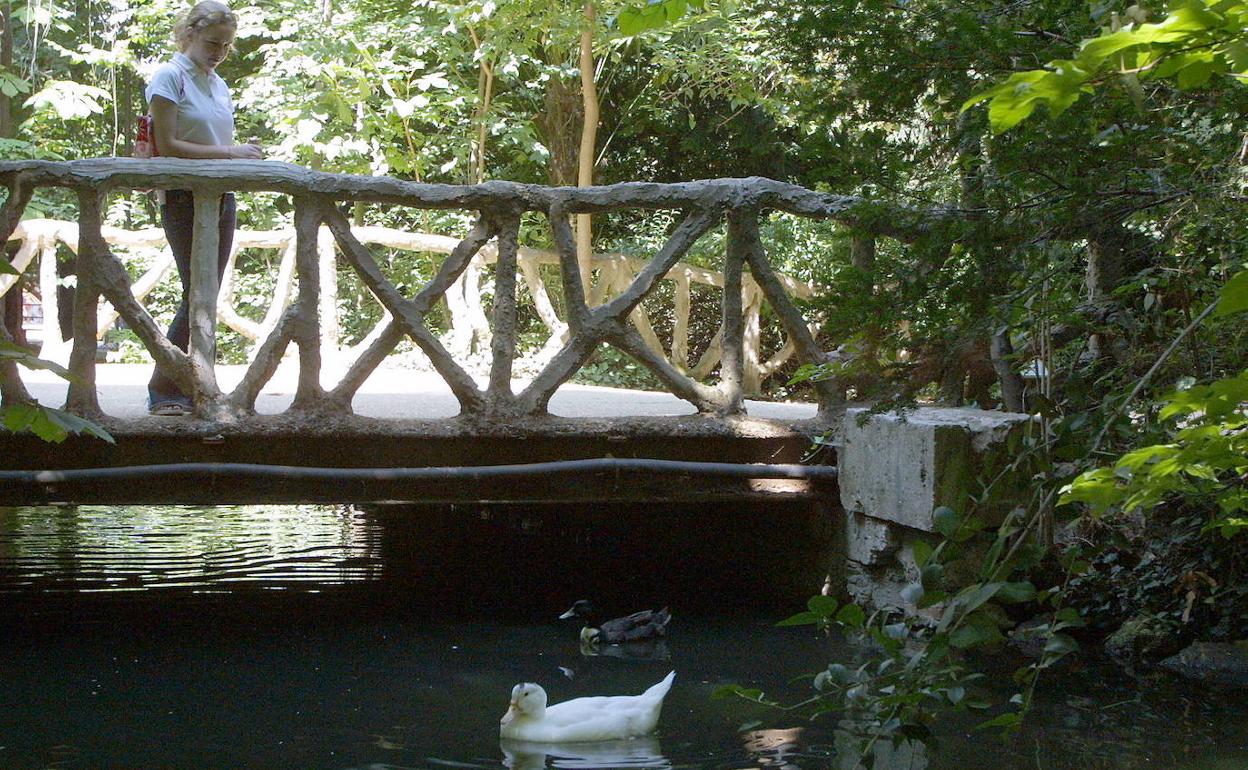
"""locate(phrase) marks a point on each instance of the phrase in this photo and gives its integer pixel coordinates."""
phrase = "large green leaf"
(14, 352)
(52, 425)
(945, 520)
(1014, 593)
(822, 605)
(973, 597)
(1014, 100)
(851, 615)
(1196, 41)
(1236, 53)
(1097, 488)
(1196, 72)
(976, 631)
(69, 100)
(12, 84)
(653, 14)
(801, 619)
(1233, 298)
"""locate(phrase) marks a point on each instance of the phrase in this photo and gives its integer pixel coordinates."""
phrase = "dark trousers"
(177, 216)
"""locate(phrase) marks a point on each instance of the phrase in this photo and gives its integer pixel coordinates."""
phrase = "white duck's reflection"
(641, 752)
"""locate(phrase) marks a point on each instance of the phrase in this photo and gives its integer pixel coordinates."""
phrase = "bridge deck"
(406, 419)
(393, 393)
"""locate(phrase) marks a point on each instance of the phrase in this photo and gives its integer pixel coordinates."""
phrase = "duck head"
(528, 700)
(582, 609)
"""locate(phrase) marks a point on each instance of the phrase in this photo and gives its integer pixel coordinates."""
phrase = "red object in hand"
(144, 141)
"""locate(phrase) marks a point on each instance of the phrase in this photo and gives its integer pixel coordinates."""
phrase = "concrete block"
(879, 584)
(869, 541)
(899, 468)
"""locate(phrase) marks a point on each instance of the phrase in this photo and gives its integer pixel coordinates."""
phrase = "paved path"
(391, 393)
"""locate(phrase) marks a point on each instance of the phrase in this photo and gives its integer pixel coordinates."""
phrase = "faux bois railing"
(623, 282)
(42, 239)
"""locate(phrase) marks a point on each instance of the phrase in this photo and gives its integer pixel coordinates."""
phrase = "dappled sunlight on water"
(136, 548)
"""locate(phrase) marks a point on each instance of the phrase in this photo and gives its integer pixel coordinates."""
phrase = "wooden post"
(54, 347)
(82, 398)
(12, 390)
(752, 336)
(307, 332)
(503, 341)
(733, 357)
(205, 244)
(328, 266)
(831, 393)
(680, 329)
(569, 268)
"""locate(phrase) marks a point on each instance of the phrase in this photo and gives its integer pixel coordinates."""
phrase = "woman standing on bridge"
(193, 117)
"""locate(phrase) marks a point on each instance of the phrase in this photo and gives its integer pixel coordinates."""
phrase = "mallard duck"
(647, 624)
(600, 718)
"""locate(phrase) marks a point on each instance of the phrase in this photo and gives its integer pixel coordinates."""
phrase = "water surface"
(330, 638)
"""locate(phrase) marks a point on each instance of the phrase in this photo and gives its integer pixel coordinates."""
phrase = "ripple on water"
(148, 548)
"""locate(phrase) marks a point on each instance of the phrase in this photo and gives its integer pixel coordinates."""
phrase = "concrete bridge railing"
(748, 279)
(41, 239)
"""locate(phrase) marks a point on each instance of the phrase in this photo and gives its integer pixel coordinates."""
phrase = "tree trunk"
(6, 62)
(485, 95)
(588, 149)
(556, 125)
(13, 298)
(1114, 254)
(953, 382)
(1002, 352)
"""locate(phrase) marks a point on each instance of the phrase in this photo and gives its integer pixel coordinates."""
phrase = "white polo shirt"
(205, 109)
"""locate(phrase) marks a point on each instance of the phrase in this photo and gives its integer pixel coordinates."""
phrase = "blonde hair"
(208, 13)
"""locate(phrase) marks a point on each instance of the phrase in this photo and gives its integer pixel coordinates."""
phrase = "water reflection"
(415, 684)
(773, 748)
(648, 649)
(885, 754)
(643, 751)
(203, 549)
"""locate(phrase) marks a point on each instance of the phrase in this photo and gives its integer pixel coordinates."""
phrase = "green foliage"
(1197, 40)
(919, 671)
(1057, 87)
(653, 14)
(1167, 568)
(1234, 296)
(11, 83)
(69, 100)
(610, 367)
(1205, 462)
(49, 424)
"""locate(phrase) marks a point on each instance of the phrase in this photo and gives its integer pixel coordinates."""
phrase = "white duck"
(600, 718)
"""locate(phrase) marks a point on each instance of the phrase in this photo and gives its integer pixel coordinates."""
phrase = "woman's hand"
(250, 151)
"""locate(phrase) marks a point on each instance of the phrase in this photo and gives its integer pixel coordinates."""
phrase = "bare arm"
(165, 123)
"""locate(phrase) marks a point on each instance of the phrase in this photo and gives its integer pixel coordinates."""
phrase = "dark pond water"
(332, 638)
